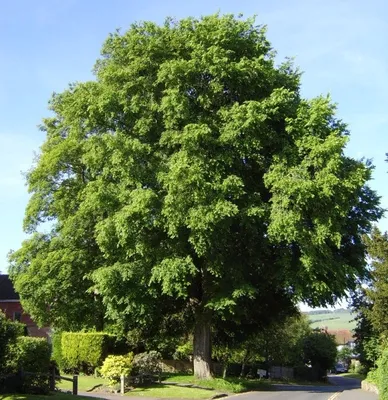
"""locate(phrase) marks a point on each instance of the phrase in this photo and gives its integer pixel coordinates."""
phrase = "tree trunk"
(242, 373)
(202, 348)
(224, 370)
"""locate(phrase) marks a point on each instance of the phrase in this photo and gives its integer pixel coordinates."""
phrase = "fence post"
(75, 384)
(52, 380)
(122, 385)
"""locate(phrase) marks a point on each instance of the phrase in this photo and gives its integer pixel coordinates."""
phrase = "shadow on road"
(336, 383)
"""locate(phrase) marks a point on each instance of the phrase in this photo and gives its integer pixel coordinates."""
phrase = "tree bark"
(242, 373)
(202, 348)
(224, 370)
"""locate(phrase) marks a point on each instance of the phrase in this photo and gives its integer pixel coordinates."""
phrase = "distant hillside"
(340, 319)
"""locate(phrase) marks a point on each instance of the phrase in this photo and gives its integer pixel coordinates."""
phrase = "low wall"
(369, 387)
(177, 366)
(281, 373)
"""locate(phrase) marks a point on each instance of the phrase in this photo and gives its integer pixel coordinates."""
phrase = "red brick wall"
(9, 308)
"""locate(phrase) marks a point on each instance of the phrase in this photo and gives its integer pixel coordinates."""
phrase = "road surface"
(340, 389)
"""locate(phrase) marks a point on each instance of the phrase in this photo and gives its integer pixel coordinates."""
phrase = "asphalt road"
(340, 389)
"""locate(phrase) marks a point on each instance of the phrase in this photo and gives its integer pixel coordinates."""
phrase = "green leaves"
(191, 176)
(174, 275)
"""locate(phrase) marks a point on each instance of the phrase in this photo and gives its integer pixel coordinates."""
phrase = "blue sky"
(341, 45)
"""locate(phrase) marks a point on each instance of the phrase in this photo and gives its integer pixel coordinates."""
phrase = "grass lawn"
(85, 383)
(171, 391)
(353, 375)
(228, 385)
(54, 396)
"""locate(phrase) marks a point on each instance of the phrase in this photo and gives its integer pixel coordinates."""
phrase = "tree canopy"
(191, 178)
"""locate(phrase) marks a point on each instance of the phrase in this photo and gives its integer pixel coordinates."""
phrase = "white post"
(122, 384)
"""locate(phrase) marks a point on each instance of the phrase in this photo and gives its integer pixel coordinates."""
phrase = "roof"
(7, 291)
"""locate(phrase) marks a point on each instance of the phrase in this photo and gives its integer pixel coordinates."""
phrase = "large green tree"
(191, 178)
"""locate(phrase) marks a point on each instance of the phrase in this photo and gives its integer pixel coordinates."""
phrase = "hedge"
(56, 350)
(382, 375)
(9, 331)
(83, 352)
(30, 354)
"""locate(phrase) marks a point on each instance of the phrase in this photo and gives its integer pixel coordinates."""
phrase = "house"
(10, 305)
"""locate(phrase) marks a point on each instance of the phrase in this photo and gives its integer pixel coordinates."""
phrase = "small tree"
(319, 351)
(345, 355)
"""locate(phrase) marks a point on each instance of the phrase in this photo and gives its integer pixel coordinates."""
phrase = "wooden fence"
(52, 377)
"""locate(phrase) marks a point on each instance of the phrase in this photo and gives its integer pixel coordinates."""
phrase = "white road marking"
(334, 396)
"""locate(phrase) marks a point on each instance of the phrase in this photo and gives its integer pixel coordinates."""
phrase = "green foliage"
(56, 349)
(115, 366)
(184, 350)
(283, 340)
(345, 355)
(277, 344)
(382, 373)
(50, 273)
(31, 354)
(373, 376)
(367, 338)
(228, 385)
(83, 352)
(9, 331)
(361, 370)
(190, 178)
(377, 245)
(147, 363)
(370, 302)
(320, 351)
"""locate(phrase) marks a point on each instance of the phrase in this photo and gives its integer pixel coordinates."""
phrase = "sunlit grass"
(54, 396)
(171, 391)
(85, 383)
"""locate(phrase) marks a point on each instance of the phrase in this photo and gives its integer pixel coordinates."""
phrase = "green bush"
(382, 375)
(320, 351)
(147, 363)
(184, 351)
(360, 369)
(32, 357)
(304, 373)
(115, 366)
(83, 352)
(373, 377)
(9, 331)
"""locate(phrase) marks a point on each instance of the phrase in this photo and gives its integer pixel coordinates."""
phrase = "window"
(17, 315)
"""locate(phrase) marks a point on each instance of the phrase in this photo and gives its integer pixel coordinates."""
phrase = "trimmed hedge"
(83, 352)
(56, 350)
